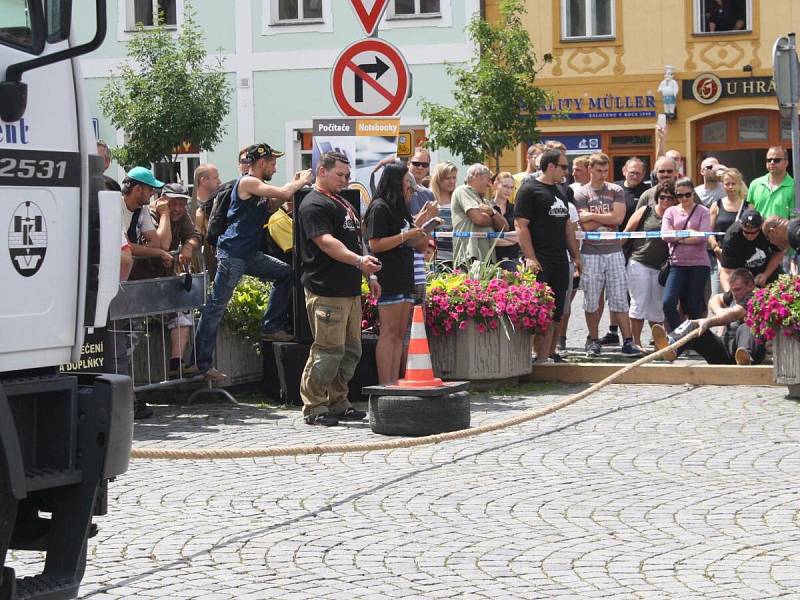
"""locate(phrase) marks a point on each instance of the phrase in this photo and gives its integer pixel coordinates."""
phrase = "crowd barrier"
(582, 235)
(139, 319)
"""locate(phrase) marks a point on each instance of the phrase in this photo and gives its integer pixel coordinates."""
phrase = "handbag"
(663, 272)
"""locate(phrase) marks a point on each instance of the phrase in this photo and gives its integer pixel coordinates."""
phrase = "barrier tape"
(230, 453)
(583, 235)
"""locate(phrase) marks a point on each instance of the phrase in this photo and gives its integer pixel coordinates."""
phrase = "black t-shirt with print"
(397, 272)
(545, 208)
(740, 252)
(322, 275)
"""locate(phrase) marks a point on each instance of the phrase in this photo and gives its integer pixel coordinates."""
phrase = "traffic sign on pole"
(787, 88)
(369, 18)
(370, 78)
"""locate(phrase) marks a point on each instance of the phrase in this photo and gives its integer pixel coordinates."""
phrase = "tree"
(166, 95)
(496, 100)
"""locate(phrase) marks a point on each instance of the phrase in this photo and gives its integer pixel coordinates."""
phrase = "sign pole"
(787, 89)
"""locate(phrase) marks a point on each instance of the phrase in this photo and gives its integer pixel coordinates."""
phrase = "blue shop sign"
(609, 106)
(578, 144)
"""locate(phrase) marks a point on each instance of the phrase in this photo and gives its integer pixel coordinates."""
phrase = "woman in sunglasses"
(647, 257)
(688, 258)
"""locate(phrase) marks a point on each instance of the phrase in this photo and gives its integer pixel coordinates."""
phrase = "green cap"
(145, 176)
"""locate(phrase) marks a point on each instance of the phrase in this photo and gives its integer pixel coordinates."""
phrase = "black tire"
(8, 513)
(415, 416)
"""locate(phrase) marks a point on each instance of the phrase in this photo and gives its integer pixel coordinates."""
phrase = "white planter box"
(471, 355)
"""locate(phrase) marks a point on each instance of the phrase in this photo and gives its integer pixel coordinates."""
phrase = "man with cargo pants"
(333, 264)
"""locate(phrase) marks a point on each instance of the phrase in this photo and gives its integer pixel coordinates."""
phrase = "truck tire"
(416, 416)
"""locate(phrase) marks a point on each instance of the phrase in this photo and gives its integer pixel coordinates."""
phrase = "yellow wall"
(649, 35)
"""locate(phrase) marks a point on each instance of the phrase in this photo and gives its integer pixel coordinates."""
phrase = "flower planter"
(786, 362)
(473, 355)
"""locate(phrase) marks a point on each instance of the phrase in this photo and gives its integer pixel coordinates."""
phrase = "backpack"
(218, 219)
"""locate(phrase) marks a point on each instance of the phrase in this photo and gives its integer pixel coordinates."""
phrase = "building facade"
(278, 55)
(604, 61)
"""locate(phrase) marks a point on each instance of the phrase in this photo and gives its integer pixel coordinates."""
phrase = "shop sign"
(579, 144)
(609, 106)
(707, 88)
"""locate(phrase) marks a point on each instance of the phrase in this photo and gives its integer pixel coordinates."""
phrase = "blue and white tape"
(583, 235)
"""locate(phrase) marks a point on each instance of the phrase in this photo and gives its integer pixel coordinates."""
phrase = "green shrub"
(246, 308)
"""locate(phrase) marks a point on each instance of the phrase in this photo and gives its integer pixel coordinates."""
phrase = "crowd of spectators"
(529, 220)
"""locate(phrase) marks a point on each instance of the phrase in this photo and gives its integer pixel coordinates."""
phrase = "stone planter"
(786, 361)
(238, 358)
(471, 355)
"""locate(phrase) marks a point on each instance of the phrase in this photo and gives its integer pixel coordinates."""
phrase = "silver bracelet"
(359, 262)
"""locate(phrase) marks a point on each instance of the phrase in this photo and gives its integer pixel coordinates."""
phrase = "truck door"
(40, 204)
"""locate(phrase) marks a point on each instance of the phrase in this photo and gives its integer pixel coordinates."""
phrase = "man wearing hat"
(176, 231)
(238, 254)
(137, 224)
(746, 246)
(140, 231)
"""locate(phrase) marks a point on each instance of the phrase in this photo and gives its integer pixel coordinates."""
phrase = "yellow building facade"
(604, 60)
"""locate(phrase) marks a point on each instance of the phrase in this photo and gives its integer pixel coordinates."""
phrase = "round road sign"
(370, 78)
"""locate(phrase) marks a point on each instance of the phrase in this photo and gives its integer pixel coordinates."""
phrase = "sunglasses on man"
(419, 163)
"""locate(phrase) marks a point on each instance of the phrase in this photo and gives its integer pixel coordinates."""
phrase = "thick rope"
(228, 453)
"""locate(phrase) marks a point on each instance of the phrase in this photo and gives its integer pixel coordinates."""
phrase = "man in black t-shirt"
(782, 233)
(545, 233)
(633, 186)
(746, 246)
(332, 262)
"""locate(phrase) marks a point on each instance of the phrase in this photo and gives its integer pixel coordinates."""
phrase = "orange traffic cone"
(419, 370)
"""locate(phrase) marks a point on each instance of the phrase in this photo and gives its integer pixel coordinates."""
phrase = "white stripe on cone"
(418, 362)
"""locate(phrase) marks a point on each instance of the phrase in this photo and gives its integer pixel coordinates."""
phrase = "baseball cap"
(262, 151)
(176, 190)
(751, 217)
(145, 176)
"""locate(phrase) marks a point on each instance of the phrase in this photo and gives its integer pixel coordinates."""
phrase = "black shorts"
(556, 275)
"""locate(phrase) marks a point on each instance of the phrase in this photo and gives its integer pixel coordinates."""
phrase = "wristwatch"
(373, 278)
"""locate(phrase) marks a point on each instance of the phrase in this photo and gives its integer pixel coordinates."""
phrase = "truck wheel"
(415, 416)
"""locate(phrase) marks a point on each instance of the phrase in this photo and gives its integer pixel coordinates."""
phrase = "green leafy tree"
(166, 95)
(496, 100)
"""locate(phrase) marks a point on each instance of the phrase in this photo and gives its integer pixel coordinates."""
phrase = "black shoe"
(557, 358)
(142, 411)
(610, 339)
(351, 414)
(325, 419)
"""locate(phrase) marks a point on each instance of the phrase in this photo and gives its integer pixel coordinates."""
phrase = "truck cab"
(62, 436)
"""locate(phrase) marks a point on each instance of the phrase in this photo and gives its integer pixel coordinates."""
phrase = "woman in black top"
(392, 238)
(724, 213)
(506, 251)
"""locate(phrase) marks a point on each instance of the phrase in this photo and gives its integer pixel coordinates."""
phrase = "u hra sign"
(707, 88)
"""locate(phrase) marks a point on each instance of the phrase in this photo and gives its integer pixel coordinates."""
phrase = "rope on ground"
(231, 453)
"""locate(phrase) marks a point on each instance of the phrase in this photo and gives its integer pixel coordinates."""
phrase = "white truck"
(62, 437)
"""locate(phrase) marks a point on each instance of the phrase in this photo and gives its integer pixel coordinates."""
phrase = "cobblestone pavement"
(636, 492)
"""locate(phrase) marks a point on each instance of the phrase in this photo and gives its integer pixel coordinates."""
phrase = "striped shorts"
(607, 271)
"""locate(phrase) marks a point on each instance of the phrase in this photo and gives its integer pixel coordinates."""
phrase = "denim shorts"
(387, 299)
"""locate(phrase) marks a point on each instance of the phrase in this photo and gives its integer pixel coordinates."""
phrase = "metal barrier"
(141, 321)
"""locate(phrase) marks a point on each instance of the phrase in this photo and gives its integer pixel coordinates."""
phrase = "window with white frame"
(415, 8)
(149, 13)
(296, 11)
(582, 19)
(722, 16)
